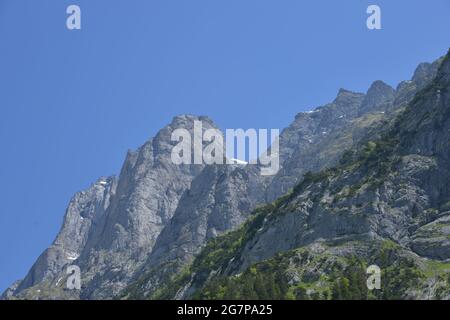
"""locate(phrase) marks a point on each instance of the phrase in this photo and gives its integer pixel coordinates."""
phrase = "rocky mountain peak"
(379, 94)
(156, 216)
(444, 69)
(422, 73)
(186, 121)
(390, 200)
(86, 208)
(162, 144)
(422, 76)
(345, 96)
(425, 72)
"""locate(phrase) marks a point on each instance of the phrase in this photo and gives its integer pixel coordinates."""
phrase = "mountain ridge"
(135, 232)
(384, 204)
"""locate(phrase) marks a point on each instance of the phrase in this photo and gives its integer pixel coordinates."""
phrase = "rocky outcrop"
(423, 75)
(110, 229)
(433, 239)
(220, 199)
(317, 139)
(85, 210)
(379, 97)
(392, 190)
(148, 191)
(145, 226)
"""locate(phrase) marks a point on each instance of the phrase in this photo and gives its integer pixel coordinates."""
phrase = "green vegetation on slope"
(343, 276)
(304, 274)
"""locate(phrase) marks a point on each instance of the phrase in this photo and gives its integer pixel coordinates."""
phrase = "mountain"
(110, 229)
(134, 235)
(386, 203)
(314, 141)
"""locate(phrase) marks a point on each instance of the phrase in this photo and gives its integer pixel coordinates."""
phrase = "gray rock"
(395, 189)
(378, 97)
(156, 216)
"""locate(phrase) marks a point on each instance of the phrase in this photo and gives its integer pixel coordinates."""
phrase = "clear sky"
(73, 102)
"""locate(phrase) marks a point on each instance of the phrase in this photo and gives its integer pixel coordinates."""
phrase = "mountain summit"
(363, 180)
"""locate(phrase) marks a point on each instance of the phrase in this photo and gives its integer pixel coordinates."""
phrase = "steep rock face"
(315, 140)
(433, 239)
(159, 215)
(378, 97)
(149, 189)
(394, 189)
(84, 211)
(301, 142)
(423, 75)
(220, 199)
(109, 235)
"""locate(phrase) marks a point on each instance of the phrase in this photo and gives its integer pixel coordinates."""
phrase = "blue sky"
(73, 102)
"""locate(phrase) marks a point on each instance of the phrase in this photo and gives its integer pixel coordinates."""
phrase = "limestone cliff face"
(148, 191)
(220, 199)
(393, 189)
(110, 229)
(84, 212)
(317, 139)
(143, 227)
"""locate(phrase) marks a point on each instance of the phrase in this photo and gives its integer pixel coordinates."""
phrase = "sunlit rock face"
(155, 217)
